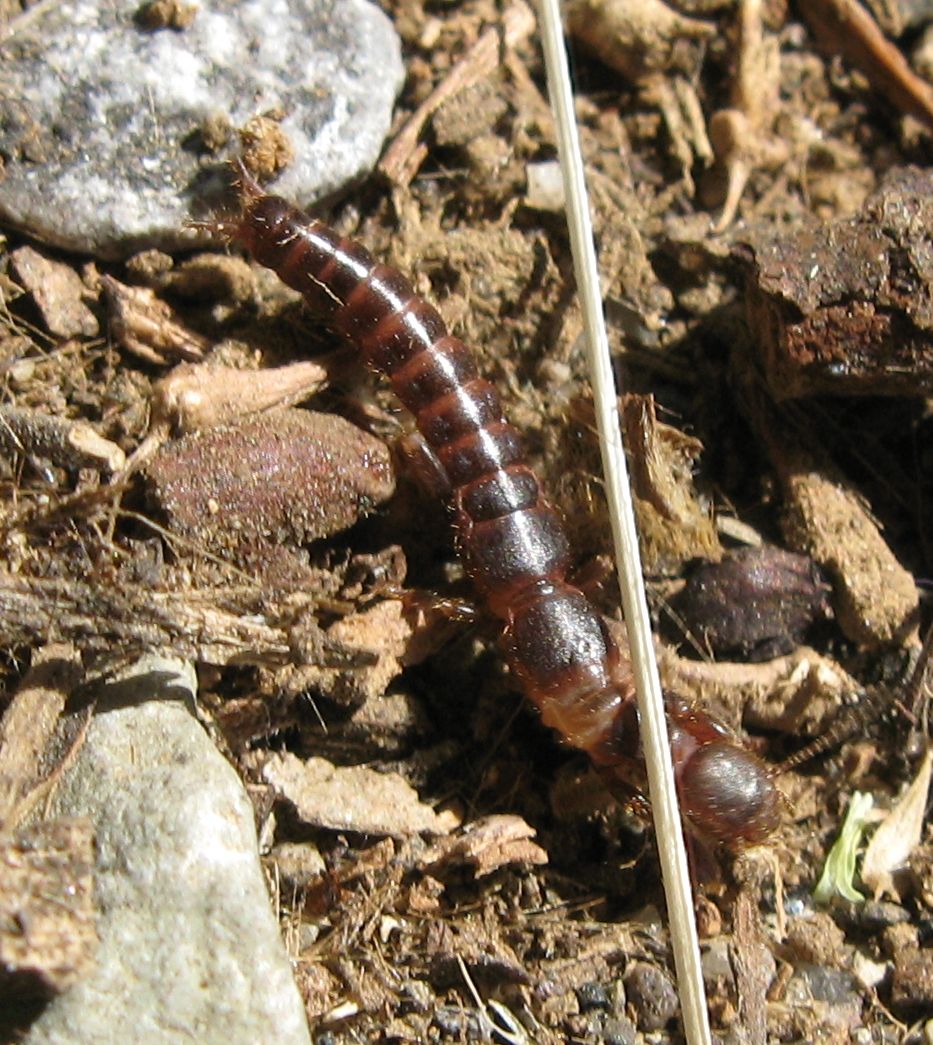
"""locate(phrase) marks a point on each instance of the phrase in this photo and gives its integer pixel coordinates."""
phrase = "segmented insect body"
(511, 540)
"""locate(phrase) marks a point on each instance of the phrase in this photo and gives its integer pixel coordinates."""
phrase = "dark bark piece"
(846, 308)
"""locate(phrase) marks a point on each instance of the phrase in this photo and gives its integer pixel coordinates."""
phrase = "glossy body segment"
(511, 540)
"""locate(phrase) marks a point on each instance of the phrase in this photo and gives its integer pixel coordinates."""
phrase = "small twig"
(668, 827)
(406, 153)
(70, 444)
(846, 27)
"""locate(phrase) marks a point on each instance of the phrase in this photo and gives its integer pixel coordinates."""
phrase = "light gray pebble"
(100, 118)
(189, 946)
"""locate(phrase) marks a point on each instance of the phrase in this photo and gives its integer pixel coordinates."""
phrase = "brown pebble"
(817, 939)
(287, 476)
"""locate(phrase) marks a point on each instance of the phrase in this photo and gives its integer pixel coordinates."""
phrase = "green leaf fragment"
(838, 877)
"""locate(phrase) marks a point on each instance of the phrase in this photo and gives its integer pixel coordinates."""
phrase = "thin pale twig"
(647, 683)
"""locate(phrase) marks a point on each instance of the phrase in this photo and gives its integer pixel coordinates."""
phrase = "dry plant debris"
(659, 49)
(28, 725)
(70, 444)
(844, 26)
(353, 798)
(673, 526)
(898, 835)
(147, 326)
(192, 398)
(486, 845)
(800, 694)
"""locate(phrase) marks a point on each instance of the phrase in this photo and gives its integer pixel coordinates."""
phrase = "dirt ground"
(766, 268)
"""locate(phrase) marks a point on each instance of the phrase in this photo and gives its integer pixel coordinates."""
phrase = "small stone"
(620, 1031)
(592, 996)
(912, 986)
(545, 186)
(298, 863)
(875, 915)
(189, 946)
(816, 938)
(101, 118)
(652, 995)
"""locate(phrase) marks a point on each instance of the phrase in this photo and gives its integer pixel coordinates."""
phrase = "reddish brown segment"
(511, 540)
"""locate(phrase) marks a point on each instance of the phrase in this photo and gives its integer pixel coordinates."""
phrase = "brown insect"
(511, 540)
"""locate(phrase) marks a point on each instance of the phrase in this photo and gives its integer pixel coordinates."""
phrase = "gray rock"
(189, 947)
(100, 119)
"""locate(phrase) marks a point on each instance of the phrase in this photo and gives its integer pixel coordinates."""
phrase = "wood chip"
(57, 291)
(47, 934)
(29, 722)
(353, 798)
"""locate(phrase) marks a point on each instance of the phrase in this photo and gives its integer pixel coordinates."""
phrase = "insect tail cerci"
(511, 540)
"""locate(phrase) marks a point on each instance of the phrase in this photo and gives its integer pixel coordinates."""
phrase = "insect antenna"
(872, 701)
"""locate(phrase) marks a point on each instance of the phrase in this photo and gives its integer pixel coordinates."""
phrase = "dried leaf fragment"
(382, 631)
(486, 845)
(57, 291)
(353, 798)
(898, 834)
